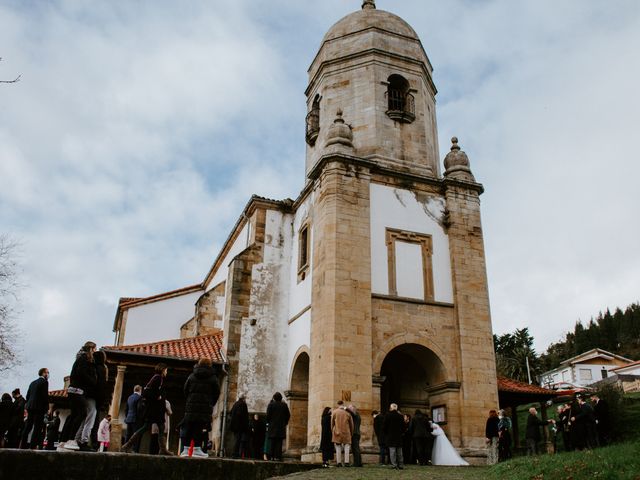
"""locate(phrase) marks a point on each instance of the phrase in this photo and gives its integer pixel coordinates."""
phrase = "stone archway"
(406, 375)
(298, 398)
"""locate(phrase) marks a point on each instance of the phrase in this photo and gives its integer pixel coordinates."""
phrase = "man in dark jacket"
(532, 435)
(355, 436)
(202, 390)
(422, 438)
(53, 429)
(603, 425)
(17, 420)
(240, 427)
(583, 422)
(378, 420)
(277, 419)
(392, 429)
(37, 405)
(133, 418)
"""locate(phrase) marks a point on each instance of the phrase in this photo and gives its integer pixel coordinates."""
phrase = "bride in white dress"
(443, 452)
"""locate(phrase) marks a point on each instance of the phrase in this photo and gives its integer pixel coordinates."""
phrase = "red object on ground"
(191, 448)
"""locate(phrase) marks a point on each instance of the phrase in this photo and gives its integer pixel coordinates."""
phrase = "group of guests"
(28, 422)
(23, 421)
(148, 410)
(498, 437)
(583, 424)
(401, 438)
(255, 437)
(340, 434)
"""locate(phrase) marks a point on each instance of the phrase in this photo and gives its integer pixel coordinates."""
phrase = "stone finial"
(456, 163)
(339, 133)
(368, 4)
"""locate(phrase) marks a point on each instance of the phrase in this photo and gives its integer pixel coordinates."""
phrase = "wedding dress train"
(443, 451)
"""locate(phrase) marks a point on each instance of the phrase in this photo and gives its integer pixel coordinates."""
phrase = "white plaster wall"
(242, 242)
(596, 376)
(299, 336)
(263, 352)
(300, 292)
(401, 209)
(631, 370)
(159, 320)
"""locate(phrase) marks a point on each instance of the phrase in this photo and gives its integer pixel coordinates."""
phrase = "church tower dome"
(372, 65)
(370, 17)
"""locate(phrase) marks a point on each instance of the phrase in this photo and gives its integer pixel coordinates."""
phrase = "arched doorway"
(298, 398)
(408, 371)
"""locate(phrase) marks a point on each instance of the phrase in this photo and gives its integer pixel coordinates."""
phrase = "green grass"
(376, 472)
(617, 462)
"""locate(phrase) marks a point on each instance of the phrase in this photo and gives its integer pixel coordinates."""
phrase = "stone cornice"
(444, 387)
(455, 183)
(442, 183)
(375, 52)
(296, 395)
(315, 172)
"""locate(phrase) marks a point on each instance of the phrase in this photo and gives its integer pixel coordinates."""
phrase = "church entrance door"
(408, 370)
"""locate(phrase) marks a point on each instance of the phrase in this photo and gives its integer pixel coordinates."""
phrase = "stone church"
(371, 285)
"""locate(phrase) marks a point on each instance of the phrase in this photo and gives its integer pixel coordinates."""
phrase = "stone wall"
(340, 366)
(112, 466)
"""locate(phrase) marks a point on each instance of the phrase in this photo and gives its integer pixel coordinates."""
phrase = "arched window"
(313, 121)
(401, 104)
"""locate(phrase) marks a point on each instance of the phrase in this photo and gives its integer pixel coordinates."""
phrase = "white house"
(584, 369)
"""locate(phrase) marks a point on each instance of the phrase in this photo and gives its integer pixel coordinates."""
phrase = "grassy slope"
(617, 462)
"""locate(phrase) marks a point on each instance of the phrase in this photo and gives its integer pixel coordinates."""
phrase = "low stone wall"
(43, 465)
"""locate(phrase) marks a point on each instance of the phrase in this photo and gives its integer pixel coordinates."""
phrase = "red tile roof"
(193, 348)
(514, 386)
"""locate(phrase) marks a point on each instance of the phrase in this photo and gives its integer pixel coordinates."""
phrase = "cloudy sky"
(140, 129)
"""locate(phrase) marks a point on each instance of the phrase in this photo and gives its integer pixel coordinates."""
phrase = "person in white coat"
(104, 433)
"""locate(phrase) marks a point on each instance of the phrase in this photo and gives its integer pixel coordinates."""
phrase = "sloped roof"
(192, 348)
(594, 353)
(632, 364)
(509, 385)
(58, 393)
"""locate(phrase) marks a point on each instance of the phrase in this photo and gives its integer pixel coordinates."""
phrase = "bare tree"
(17, 79)
(9, 287)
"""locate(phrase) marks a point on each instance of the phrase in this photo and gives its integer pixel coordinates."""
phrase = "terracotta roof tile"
(514, 386)
(58, 393)
(192, 348)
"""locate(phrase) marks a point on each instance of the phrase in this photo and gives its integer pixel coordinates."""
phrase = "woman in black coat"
(6, 408)
(202, 391)
(326, 445)
(154, 410)
(277, 418)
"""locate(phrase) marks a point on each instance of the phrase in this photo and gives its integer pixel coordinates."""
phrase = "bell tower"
(399, 298)
(372, 66)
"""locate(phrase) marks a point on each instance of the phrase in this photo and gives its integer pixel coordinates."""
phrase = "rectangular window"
(303, 252)
(604, 373)
(565, 376)
(409, 263)
(585, 374)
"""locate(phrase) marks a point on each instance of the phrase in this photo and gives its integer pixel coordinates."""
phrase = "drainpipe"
(223, 423)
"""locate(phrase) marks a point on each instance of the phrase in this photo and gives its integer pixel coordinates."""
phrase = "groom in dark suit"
(36, 406)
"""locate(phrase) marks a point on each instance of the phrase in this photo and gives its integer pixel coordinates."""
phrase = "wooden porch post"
(114, 411)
